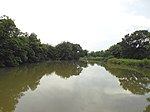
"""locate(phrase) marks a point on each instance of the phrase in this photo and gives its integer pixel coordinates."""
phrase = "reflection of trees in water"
(15, 81)
(147, 109)
(136, 80)
(67, 69)
(92, 63)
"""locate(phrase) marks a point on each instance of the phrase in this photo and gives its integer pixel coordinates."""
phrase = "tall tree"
(136, 45)
(17, 47)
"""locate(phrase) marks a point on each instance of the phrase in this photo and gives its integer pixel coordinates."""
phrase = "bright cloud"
(95, 24)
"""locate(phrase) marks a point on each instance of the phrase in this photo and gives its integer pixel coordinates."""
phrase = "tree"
(8, 42)
(136, 45)
(8, 28)
(63, 51)
(17, 47)
(69, 51)
(115, 50)
(51, 52)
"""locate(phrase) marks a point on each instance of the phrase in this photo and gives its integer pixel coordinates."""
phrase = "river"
(74, 87)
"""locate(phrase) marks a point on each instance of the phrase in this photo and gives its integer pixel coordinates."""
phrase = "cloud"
(137, 7)
(95, 24)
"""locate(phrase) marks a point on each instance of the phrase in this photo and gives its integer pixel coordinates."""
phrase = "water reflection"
(67, 69)
(148, 107)
(135, 80)
(15, 81)
(74, 86)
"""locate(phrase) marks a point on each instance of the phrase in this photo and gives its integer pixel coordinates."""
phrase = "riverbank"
(129, 62)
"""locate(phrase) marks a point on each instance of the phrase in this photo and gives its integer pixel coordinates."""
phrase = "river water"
(74, 87)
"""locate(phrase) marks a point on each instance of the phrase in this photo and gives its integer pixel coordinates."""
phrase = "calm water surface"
(74, 87)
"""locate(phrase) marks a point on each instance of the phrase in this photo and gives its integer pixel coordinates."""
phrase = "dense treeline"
(17, 47)
(132, 46)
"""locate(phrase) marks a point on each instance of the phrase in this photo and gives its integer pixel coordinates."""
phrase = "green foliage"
(17, 47)
(115, 50)
(136, 45)
(132, 79)
(97, 54)
(133, 46)
(69, 51)
(130, 62)
(8, 28)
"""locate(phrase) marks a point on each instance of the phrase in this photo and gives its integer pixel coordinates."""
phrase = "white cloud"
(95, 24)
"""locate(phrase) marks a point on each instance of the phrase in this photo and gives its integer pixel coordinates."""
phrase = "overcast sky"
(94, 24)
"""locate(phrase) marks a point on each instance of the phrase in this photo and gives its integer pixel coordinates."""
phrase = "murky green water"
(74, 87)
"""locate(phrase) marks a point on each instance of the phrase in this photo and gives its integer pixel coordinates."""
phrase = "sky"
(94, 24)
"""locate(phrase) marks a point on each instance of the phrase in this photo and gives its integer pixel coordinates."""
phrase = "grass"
(137, 69)
(130, 62)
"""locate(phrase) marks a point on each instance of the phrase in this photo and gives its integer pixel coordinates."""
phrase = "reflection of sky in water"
(94, 90)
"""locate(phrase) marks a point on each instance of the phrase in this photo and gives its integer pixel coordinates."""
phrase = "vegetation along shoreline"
(17, 48)
(133, 50)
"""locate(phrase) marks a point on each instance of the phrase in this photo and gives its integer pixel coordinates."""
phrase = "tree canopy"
(17, 47)
(136, 45)
(133, 46)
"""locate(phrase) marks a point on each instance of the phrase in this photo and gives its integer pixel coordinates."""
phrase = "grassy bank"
(130, 62)
(136, 69)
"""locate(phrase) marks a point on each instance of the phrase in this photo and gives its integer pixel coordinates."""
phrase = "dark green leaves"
(17, 47)
(136, 45)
